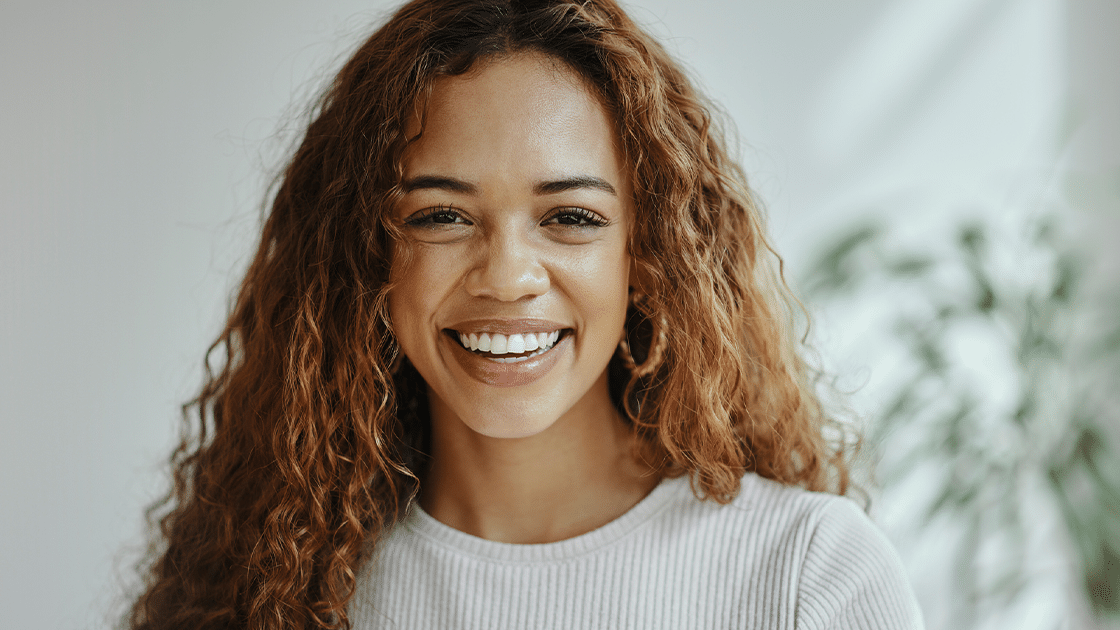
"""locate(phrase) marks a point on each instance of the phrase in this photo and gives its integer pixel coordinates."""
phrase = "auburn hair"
(309, 437)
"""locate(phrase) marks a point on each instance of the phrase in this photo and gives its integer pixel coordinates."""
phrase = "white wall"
(136, 137)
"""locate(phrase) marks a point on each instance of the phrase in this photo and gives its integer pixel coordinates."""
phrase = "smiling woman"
(518, 228)
(513, 353)
(517, 211)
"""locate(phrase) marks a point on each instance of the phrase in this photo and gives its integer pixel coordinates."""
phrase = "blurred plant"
(1009, 391)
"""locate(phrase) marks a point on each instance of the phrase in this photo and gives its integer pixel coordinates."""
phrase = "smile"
(507, 359)
(522, 346)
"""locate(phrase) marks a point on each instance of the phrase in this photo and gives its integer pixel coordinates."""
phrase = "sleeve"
(852, 578)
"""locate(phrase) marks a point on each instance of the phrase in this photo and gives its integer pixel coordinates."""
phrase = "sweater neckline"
(426, 526)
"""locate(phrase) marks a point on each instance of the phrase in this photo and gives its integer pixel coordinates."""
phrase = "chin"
(509, 430)
(510, 421)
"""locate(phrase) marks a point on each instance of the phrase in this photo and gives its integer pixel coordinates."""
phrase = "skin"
(549, 459)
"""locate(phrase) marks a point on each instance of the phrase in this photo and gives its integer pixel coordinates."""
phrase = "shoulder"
(829, 565)
(777, 519)
(851, 576)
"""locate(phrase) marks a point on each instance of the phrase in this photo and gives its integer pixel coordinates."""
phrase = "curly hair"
(308, 440)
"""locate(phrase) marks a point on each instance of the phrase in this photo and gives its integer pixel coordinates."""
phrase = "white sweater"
(776, 557)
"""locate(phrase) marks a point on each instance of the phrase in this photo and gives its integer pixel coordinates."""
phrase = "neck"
(575, 476)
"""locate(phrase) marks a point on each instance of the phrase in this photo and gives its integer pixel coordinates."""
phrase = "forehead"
(519, 113)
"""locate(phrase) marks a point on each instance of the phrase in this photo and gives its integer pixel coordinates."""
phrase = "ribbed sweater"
(775, 557)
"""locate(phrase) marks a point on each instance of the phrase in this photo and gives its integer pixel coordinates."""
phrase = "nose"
(507, 269)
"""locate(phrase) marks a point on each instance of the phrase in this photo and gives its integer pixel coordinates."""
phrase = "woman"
(513, 353)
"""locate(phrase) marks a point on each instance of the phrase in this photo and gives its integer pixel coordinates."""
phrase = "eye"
(576, 217)
(438, 216)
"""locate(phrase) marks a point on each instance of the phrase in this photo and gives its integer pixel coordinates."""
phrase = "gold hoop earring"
(658, 342)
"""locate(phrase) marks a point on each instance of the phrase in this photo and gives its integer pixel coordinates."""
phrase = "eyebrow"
(436, 182)
(574, 183)
(450, 184)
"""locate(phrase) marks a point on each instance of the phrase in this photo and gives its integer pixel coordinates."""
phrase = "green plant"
(1008, 390)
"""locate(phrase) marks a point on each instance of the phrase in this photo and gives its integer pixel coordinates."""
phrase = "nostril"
(508, 277)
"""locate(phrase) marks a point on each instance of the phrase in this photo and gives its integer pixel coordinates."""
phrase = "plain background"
(137, 138)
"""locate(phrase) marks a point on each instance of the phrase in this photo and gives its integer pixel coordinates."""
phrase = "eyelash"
(426, 217)
(581, 214)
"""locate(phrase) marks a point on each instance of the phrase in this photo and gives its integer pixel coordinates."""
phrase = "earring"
(658, 342)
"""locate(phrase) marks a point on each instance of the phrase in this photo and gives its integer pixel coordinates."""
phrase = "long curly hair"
(309, 438)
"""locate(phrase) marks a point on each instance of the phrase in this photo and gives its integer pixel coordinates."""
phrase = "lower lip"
(514, 374)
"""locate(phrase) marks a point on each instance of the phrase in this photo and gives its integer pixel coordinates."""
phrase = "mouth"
(512, 348)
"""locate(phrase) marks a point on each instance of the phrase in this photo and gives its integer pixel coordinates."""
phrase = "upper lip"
(514, 326)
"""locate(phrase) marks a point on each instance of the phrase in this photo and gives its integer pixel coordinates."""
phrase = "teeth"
(512, 344)
(498, 344)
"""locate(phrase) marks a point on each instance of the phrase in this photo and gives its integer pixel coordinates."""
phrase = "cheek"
(602, 282)
(415, 297)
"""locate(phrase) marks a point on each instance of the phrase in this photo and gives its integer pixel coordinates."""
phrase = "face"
(517, 210)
